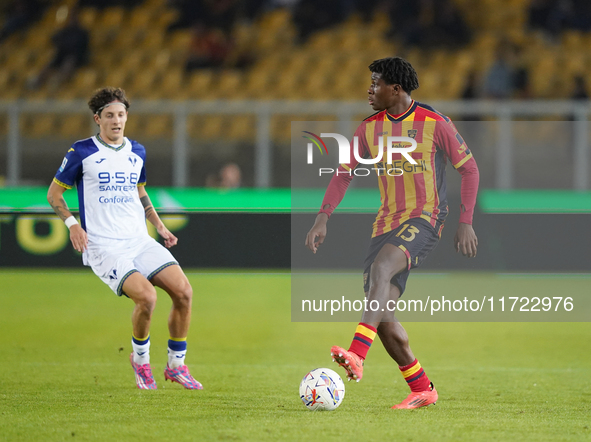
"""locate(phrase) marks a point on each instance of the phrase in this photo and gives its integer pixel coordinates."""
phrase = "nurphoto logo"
(393, 145)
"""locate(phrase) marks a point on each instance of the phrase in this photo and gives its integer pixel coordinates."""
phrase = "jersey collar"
(116, 148)
(401, 117)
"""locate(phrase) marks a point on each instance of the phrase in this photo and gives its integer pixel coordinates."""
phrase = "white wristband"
(70, 221)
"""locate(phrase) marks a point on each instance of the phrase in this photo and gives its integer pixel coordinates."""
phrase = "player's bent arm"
(151, 215)
(55, 197)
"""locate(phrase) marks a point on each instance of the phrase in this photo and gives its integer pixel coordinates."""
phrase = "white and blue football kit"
(111, 212)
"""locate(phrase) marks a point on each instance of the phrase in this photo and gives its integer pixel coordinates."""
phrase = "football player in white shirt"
(108, 171)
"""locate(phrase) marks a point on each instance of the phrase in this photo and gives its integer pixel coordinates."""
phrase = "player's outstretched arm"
(55, 197)
(151, 215)
(466, 241)
(318, 230)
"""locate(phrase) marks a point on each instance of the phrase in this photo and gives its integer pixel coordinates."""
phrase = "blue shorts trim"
(120, 286)
(162, 267)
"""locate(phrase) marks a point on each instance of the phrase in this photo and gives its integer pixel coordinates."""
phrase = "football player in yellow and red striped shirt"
(411, 216)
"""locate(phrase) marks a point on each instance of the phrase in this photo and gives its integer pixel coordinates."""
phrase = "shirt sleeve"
(142, 180)
(140, 151)
(71, 169)
(340, 181)
(448, 139)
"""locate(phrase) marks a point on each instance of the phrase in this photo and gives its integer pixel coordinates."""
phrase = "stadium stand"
(132, 47)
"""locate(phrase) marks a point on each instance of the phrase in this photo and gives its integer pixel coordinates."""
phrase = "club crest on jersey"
(132, 160)
(412, 133)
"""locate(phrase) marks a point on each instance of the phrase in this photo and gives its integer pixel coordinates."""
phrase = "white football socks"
(141, 353)
(176, 358)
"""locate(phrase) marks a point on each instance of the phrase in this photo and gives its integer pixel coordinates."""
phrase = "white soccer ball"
(322, 389)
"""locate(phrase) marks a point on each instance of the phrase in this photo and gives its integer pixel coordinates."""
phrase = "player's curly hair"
(106, 95)
(396, 70)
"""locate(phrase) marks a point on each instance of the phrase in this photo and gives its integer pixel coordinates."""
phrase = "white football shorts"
(115, 262)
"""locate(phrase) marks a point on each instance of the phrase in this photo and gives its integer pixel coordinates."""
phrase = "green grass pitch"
(65, 375)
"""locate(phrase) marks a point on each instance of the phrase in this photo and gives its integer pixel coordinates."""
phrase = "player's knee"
(147, 300)
(184, 295)
(381, 272)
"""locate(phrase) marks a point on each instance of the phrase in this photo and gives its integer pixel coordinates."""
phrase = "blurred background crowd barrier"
(518, 144)
(219, 82)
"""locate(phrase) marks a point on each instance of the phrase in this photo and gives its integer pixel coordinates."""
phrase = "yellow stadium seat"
(117, 78)
(229, 84)
(48, 21)
(172, 85)
(242, 128)
(142, 83)
(179, 40)
(39, 60)
(158, 62)
(212, 127)
(5, 78)
(75, 127)
(163, 19)
(200, 84)
(380, 22)
(111, 17)
(39, 38)
(88, 17)
(39, 125)
(132, 127)
(18, 61)
(158, 126)
(133, 62)
(281, 128)
(127, 41)
(140, 18)
(84, 82)
(288, 85)
(152, 42)
(323, 41)
(274, 20)
(542, 75)
(257, 82)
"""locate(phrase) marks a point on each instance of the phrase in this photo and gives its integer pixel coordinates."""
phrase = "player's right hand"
(318, 230)
(79, 238)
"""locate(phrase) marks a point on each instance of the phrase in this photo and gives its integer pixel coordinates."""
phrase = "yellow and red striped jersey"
(410, 190)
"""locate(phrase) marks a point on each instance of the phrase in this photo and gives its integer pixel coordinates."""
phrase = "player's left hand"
(169, 239)
(466, 241)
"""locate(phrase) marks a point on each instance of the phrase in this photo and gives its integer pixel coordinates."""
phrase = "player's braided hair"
(396, 70)
(106, 95)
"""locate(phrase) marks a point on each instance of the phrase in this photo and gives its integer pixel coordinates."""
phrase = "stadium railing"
(505, 112)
